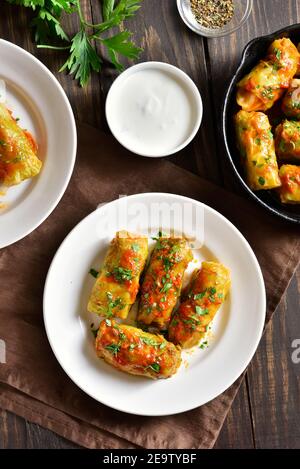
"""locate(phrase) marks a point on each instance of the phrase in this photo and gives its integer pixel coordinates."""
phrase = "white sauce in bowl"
(154, 109)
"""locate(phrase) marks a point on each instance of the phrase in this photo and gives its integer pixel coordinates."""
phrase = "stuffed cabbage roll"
(287, 140)
(256, 145)
(117, 284)
(163, 281)
(266, 82)
(290, 184)
(18, 151)
(291, 101)
(207, 291)
(136, 352)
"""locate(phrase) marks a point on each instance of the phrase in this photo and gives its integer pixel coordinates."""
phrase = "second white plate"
(37, 99)
(205, 373)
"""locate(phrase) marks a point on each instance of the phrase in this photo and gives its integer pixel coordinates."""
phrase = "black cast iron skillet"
(253, 52)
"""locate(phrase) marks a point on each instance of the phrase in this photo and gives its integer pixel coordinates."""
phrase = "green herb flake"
(261, 181)
(154, 367)
(135, 247)
(199, 296)
(203, 345)
(166, 287)
(149, 341)
(132, 346)
(167, 263)
(201, 311)
(277, 53)
(94, 273)
(122, 274)
(113, 348)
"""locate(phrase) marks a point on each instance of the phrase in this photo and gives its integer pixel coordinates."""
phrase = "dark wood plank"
(274, 380)
(236, 432)
(17, 433)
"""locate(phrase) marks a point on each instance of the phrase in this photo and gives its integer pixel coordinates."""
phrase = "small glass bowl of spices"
(214, 18)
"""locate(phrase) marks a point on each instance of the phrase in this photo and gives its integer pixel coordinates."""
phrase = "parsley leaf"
(120, 44)
(121, 274)
(83, 58)
(113, 348)
(94, 273)
(166, 287)
(154, 367)
(201, 311)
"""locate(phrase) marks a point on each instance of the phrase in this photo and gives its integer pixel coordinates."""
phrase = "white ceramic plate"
(204, 374)
(35, 96)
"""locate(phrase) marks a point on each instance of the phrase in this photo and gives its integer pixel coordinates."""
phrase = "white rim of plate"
(68, 107)
(259, 329)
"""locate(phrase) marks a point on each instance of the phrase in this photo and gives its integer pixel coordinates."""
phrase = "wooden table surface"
(265, 413)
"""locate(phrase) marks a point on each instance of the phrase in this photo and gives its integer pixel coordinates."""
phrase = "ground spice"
(212, 13)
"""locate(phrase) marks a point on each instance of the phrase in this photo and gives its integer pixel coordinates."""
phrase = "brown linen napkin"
(32, 384)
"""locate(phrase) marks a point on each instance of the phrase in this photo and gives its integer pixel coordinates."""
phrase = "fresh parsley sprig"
(83, 55)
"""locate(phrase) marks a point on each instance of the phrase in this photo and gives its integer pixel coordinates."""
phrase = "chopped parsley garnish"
(154, 367)
(261, 181)
(174, 322)
(212, 291)
(258, 141)
(132, 346)
(159, 235)
(203, 345)
(175, 248)
(199, 296)
(167, 263)
(151, 342)
(201, 311)
(220, 295)
(113, 303)
(268, 93)
(113, 348)
(94, 273)
(166, 287)
(135, 247)
(121, 274)
(277, 53)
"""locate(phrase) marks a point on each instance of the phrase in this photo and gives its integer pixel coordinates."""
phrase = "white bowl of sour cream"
(154, 109)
